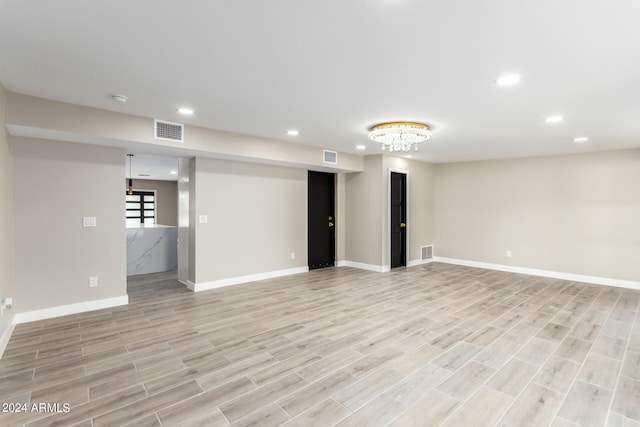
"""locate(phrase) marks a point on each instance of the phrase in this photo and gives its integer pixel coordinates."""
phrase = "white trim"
(197, 287)
(64, 310)
(341, 263)
(190, 285)
(370, 267)
(6, 336)
(415, 262)
(546, 273)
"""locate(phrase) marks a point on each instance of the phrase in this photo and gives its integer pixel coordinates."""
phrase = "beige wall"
(341, 220)
(56, 184)
(192, 220)
(6, 220)
(420, 198)
(573, 214)
(367, 209)
(33, 116)
(257, 216)
(364, 206)
(166, 198)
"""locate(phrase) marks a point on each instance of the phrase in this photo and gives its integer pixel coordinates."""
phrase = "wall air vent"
(169, 131)
(426, 252)
(330, 157)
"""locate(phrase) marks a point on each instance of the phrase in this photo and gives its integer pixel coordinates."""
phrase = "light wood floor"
(424, 346)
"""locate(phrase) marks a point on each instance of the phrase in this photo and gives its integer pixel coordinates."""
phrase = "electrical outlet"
(509, 254)
(293, 255)
(88, 221)
(93, 281)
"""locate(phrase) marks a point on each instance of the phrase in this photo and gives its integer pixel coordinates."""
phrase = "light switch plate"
(204, 219)
(93, 281)
(88, 221)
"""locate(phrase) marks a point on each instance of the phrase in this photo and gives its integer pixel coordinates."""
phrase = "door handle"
(403, 225)
(330, 224)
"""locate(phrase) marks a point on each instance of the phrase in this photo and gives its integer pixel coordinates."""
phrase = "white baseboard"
(415, 262)
(545, 273)
(369, 267)
(6, 336)
(65, 310)
(340, 263)
(197, 287)
(379, 268)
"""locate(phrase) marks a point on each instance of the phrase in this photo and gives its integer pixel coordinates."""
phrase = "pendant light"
(130, 175)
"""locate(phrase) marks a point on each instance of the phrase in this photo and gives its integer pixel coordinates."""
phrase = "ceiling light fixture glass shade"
(400, 136)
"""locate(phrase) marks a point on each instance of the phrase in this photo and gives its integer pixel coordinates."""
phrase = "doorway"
(321, 236)
(151, 209)
(398, 225)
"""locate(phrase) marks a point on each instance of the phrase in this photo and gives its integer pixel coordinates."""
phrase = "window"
(141, 207)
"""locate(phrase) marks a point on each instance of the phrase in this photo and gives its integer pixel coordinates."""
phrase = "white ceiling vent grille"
(426, 252)
(169, 131)
(330, 157)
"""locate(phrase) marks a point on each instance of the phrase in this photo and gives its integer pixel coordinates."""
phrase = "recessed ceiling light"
(119, 98)
(554, 119)
(581, 139)
(508, 80)
(174, 172)
(361, 147)
(185, 111)
(292, 132)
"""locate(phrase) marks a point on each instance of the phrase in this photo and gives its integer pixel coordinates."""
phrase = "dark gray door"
(321, 220)
(398, 219)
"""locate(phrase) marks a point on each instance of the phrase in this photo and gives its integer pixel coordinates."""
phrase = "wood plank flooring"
(430, 345)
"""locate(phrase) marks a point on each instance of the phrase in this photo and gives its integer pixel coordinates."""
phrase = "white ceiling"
(147, 166)
(333, 68)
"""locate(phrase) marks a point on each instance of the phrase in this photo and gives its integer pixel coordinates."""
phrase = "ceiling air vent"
(426, 252)
(169, 131)
(330, 157)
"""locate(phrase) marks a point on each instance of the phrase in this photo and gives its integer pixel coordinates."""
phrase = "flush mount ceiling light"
(581, 139)
(400, 136)
(185, 111)
(119, 98)
(554, 119)
(361, 147)
(292, 132)
(508, 80)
